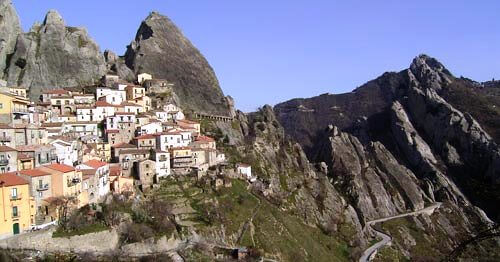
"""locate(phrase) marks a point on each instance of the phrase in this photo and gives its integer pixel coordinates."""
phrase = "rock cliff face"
(54, 55)
(161, 49)
(404, 115)
(9, 29)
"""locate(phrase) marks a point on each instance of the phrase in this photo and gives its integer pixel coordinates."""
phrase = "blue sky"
(265, 52)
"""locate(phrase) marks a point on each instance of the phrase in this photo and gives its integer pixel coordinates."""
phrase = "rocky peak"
(430, 72)
(9, 30)
(54, 55)
(53, 18)
(161, 49)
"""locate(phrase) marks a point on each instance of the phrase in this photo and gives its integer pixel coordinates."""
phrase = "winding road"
(369, 253)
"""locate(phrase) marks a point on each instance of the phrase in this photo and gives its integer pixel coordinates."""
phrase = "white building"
(66, 151)
(245, 170)
(151, 128)
(84, 113)
(162, 160)
(131, 107)
(167, 140)
(80, 129)
(143, 77)
(120, 120)
(111, 95)
(102, 110)
(102, 175)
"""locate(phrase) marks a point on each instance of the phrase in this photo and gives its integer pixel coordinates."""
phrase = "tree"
(62, 206)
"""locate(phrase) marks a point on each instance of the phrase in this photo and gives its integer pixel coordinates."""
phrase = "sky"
(266, 52)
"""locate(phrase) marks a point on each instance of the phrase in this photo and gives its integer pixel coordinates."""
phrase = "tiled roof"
(11, 179)
(6, 149)
(61, 168)
(34, 172)
(205, 139)
(95, 163)
(22, 156)
(125, 113)
(102, 104)
(146, 136)
(124, 145)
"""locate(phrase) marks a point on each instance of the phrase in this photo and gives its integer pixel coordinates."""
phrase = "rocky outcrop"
(162, 50)
(55, 55)
(9, 30)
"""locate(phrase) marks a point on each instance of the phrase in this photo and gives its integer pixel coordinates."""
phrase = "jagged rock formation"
(54, 55)
(444, 148)
(9, 29)
(162, 50)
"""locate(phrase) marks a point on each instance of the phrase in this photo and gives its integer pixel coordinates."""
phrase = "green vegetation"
(389, 254)
(83, 230)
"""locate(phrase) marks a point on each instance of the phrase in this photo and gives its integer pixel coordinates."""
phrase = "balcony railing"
(5, 138)
(42, 187)
(4, 162)
(20, 110)
(15, 198)
(53, 157)
(16, 214)
(43, 160)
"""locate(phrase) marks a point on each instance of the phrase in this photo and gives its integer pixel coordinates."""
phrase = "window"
(40, 183)
(14, 212)
(1, 105)
(40, 194)
(13, 192)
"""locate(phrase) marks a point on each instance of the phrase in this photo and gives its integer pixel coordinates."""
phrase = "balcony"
(75, 180)
(42, 187)
(43, 161)
(15, 198)
(16, 215)
(20, 110)
(53, 157)
(4, 162)
(5, 139)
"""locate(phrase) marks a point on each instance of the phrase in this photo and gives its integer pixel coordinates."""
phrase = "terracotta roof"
(124, 145)
(112, 131)
(61, 168)
(146, 136)
(126, 103)
(95, 163)
(87, 173)
(103, 104)
(180, 148)
(12, 179)
(115, 170)
(6, 149)
(34, 172)
(5, 126)
(25, 148)
(243, 165)
(205, 139)
(22, 156)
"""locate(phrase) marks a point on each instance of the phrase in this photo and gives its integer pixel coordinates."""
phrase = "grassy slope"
(275, 232)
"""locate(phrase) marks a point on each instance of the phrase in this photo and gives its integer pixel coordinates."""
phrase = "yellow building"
(17, 208)
(66, 181)
(13, 108)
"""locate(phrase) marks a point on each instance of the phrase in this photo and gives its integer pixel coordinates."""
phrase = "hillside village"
(89, 143)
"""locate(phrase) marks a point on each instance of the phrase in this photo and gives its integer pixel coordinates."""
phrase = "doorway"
(15, 228)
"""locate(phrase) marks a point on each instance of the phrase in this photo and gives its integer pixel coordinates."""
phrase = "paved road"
(369, 253)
